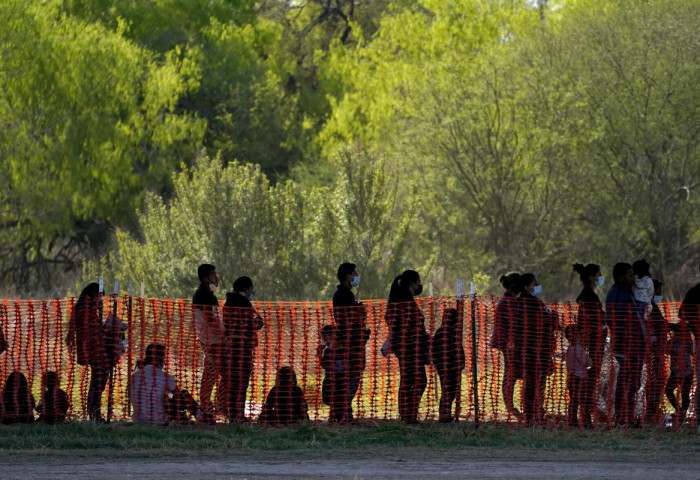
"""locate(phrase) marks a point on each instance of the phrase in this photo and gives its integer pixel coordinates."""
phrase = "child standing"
(681, 369)
(335, 360)
(577, 364)
(447, 356)
(285, 403)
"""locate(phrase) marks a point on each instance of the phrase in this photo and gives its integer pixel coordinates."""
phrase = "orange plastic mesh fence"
(412, 361)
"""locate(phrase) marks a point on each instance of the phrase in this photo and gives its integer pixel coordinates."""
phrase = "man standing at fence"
(242, 323)
(349, 318)
(210, 331)
(623, 316)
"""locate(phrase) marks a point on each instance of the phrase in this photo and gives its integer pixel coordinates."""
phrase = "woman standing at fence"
(410, 342)
(591, 322)
(534, 344)
(502, 338)
(86, 339)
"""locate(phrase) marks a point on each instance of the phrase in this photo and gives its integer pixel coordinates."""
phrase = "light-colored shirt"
(148, 388)
(209, 326)
(578, 361)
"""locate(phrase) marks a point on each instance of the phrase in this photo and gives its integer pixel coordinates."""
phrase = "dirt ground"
(393, 466)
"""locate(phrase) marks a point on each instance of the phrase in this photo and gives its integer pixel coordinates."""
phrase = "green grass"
(307, 440)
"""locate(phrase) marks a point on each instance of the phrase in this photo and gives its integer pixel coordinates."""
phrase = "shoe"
(96, 417)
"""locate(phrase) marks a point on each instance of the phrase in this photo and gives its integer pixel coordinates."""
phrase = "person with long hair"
(534, 344)
(502, 338)
(592, 332)
(86, 339)
(410, 341)
(17, 400)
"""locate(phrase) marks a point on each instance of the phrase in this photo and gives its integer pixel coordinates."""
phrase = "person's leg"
(99, 374)
(508, 385)
(209, 378)
(572, 409)
(353, 385)
(418, 390)
(529, 389)
(621, 389)
(685, 387)
(406, 383)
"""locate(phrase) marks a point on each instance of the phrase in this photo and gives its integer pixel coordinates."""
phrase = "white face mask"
(658, 298)
(600, 281)
(537, 291)
(212, 287)
(251, 297)
(355, 281)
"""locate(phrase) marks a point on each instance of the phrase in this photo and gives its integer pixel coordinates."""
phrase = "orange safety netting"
(438, 358)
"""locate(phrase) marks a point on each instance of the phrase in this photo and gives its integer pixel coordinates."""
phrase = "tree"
(79, 140)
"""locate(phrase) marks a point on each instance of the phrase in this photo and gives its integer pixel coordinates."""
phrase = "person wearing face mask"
(656, 360)
(623, 316)
(410, 341)
(241, 323)
(210, 332)
(349, 316)
(593, 333)
(534, 345)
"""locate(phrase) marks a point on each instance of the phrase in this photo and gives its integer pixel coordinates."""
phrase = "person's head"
(641, 268)
(244, 286)
(450, 317)
(405, 286)
(622, 274)
(207, 275)
(155, 355)
(49, 380)
(348, 275)
(90, 294)
(658, 290)
(509, 281)
(286, 376)
(528, 285)
(328, 333)
(16, 382)
(590, 274)
(572, 333)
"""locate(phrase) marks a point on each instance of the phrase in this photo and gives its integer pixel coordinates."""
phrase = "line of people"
(631, 327)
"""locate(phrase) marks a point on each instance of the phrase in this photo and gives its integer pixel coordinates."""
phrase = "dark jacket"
(535, 340)
(284, 405)
(86, 333)
(690, 310)
(623, 316)
(53, 406)
(241, 321)
(447, 352)
(504, 321)
(349, 316)
(204, 296)
(591, 318)
(410, 341)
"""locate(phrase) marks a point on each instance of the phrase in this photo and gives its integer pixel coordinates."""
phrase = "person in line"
(593, 333)
(349, 316)
(154, 394)
(502, 338)
(285, 403)
(87, 339)
(17, 400)
(623, 316)
(410, 341)
(447, 354)
(681, 376)
(689, 313)
(534, 344)
(335, 359)
(656, 363)
(578, 364)
(241, 324)
(210, 332)
(54, 404)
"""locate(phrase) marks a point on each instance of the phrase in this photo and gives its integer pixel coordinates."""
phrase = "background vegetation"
(278, 139)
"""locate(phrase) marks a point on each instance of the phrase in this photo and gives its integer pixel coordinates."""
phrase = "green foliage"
(80, 140)
(290, 242)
